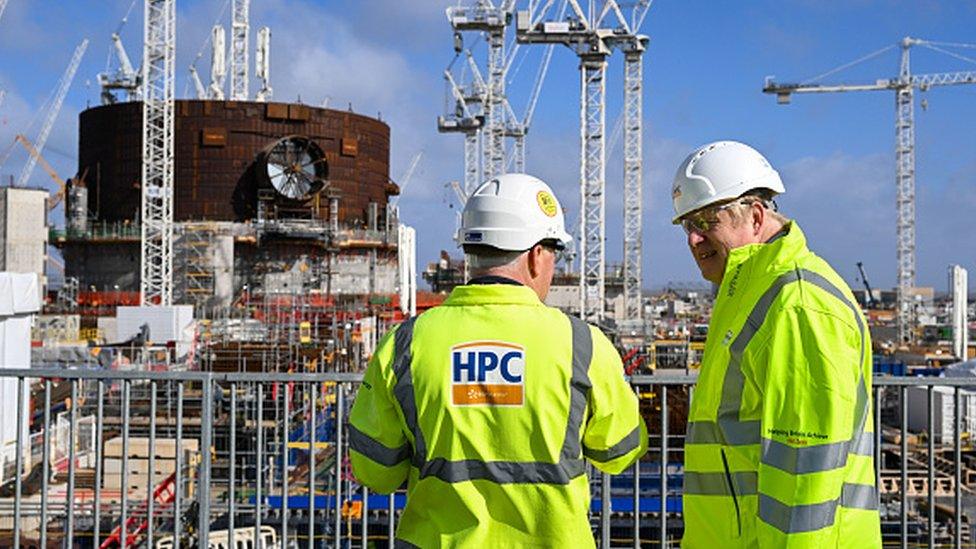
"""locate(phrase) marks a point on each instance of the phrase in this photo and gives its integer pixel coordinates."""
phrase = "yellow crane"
(57, 197)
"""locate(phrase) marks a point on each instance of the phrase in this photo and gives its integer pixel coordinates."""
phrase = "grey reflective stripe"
(627, 444)
(859, 496)
(863, 445)
(739, 433)
(376, 450)
(579, 386)
(792, 519)
(796, 518)
(403, 390)
(716, 484)
(503, 472)
(569, 466)
(806, 459)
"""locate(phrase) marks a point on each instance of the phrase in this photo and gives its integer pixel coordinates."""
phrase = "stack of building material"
(139, 477)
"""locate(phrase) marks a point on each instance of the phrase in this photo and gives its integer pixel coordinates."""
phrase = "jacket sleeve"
(614, 435)
(379, 449)
(809, 373)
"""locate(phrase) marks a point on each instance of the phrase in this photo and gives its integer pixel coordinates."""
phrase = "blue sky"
(703, 72)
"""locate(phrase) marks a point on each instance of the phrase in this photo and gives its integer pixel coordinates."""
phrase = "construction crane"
(464, 120)
(869, 297)
(125, 77)
(407, 176)
(240, 25)
(904, 86)
(159, 49)
(262, 64)
(593, 35)
(218, 68)
(52, 114)
(492, 20)
(36, 155)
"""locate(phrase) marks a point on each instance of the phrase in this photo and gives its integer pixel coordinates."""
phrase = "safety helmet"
(512, 212)
(720, 171)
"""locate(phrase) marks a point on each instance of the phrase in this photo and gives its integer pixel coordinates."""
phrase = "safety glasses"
(705, 220)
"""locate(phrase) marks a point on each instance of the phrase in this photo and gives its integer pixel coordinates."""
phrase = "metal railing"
(166, 459)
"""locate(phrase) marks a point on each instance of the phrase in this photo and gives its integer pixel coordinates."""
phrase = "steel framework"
(158, 64)
(466, 118)
(238, 54)
(904, 87)
(592, 38)
(492, 20)
(593, 69)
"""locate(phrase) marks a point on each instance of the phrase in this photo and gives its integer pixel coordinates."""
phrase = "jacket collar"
(772, 256)
(499, 294)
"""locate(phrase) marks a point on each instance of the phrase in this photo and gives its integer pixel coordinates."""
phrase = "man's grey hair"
(765, 197)
(483, 258)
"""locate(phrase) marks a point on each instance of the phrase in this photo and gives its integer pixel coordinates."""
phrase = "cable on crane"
(849, 65)
(947, 52)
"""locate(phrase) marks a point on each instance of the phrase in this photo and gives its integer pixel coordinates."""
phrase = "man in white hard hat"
(779, 450)
(488, 404)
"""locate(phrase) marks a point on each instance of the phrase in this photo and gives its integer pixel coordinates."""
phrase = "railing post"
(664, 466)
(203, 483)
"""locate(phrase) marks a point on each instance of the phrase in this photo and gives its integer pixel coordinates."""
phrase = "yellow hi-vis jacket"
(487, 405)
(780, 443)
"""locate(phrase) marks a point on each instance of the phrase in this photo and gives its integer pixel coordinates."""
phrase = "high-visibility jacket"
(780, 444)
(487, 405)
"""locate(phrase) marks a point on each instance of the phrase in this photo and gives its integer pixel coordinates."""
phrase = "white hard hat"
(720, 171)
(512, 212)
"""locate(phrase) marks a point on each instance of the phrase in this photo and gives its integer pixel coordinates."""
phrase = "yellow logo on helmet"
(547, 203)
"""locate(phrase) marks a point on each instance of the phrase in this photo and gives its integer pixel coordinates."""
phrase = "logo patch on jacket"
(487, 373)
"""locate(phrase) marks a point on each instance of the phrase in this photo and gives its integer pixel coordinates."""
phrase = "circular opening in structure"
(296, 167)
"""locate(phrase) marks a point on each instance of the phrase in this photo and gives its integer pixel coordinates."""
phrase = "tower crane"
(36, 155)
(486, 17)
(593, 34)
(262, 64)
(240, 25)
(125, 77)
(159, 49)
(52, 114)
(218, 65)
(904, 86)
(465, 120)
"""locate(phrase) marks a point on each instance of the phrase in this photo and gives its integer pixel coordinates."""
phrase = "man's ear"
(758, 216)
(534, 258)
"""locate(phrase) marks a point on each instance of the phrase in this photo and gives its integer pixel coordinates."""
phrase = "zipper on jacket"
(735, 500)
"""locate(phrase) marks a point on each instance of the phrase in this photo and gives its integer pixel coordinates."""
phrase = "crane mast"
(492, 20)
(262, 64)
(592, 38)
(904, 87)
(466, 119)
(218, 67)
(240, 26)
(52, 114)
(156, 281)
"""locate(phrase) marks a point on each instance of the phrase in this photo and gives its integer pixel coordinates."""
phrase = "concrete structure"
(23, 232)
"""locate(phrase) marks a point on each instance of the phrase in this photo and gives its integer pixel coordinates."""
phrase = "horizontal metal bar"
(348, 377)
